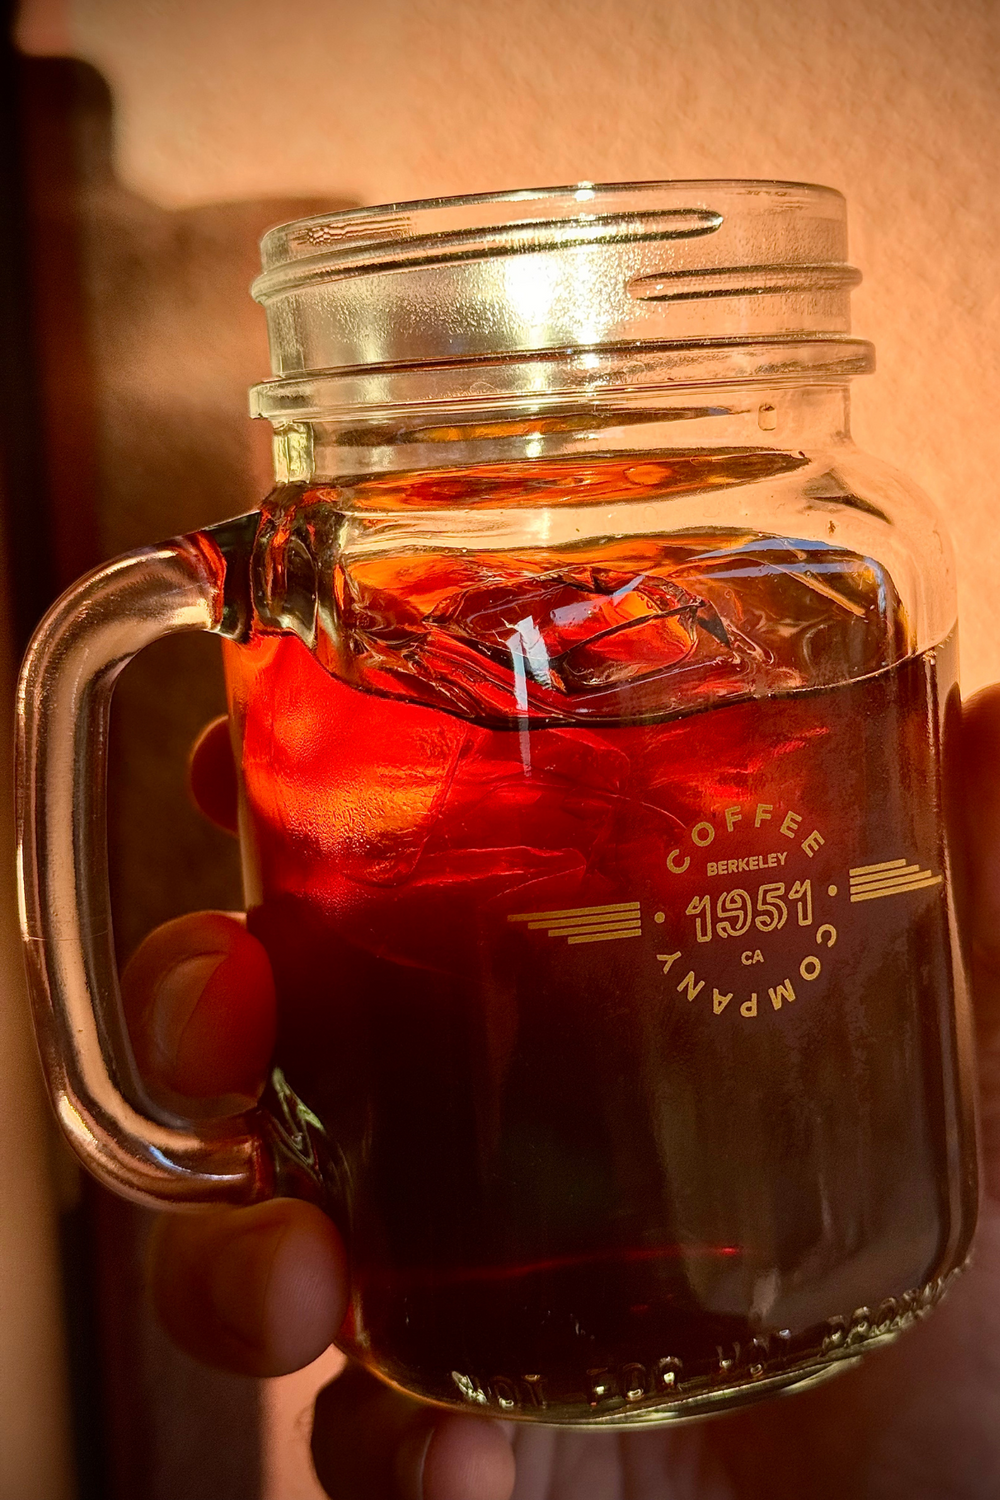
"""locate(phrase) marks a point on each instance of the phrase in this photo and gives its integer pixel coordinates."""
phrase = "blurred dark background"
(112, 308)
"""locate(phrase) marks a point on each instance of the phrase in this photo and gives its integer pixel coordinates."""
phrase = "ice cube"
(341, 774)
(645, 627)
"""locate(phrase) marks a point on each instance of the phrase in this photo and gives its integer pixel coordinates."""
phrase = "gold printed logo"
(587, 924)
(872, 882)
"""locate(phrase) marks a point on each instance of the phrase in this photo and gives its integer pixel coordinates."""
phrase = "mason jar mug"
(593, 701)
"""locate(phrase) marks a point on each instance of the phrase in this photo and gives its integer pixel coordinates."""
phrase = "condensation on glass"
(594, 702)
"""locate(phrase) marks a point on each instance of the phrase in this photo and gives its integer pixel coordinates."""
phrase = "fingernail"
(175, 1000)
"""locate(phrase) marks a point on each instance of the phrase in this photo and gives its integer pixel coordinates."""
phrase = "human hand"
(263, 1290)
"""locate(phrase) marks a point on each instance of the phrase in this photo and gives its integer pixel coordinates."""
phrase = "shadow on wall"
(146, 340)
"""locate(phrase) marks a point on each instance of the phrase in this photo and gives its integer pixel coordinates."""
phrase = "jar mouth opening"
(530, 218)
(554, 271)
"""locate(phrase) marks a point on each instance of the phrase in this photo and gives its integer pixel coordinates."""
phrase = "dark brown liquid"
(619, 1036)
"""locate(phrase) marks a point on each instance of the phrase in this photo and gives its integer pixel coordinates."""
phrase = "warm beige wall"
(896, 102)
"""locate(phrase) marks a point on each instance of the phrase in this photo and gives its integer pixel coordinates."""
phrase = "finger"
(200, 1004)
(261, 1291)
(212, 775)
(466, 1456)
(373, 1443)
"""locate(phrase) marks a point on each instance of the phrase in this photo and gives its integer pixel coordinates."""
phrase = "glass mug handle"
(64, 702)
